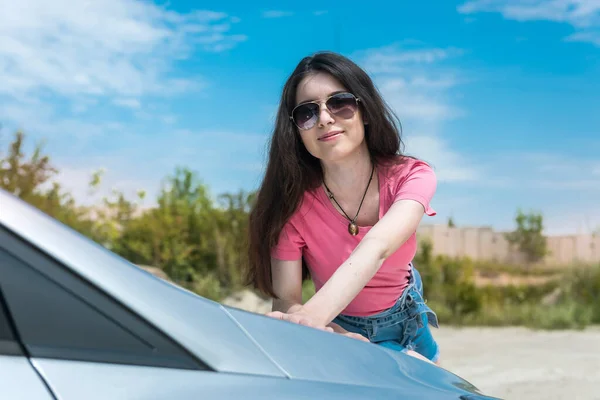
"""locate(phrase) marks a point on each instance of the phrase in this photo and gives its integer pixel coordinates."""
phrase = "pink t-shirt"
(319, 233)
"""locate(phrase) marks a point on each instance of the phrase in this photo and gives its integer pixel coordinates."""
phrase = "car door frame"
(12, 247)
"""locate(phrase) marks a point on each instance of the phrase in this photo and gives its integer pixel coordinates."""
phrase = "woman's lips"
(330, 136)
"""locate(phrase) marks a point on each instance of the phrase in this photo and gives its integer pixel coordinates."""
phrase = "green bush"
(451, 292)
(209, 286)
(582, 286)
(197, 240)
(566, 315)
(308, 290)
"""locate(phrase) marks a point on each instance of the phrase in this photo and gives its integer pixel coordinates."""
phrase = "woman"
(340, 202)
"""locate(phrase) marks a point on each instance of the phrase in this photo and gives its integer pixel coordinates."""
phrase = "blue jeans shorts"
(404, 326)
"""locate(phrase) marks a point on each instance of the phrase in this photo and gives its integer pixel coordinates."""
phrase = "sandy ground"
(517, 363)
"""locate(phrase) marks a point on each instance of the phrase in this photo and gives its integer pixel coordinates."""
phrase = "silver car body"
(168, 343)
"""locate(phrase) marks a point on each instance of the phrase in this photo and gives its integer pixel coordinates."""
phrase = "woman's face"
(333, 137)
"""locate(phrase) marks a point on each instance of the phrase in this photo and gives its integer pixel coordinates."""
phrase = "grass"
(568, 315)
(493, 269)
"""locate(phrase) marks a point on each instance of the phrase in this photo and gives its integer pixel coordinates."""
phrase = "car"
(79, 322)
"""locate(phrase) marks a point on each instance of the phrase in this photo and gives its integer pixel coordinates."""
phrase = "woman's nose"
(325, 116)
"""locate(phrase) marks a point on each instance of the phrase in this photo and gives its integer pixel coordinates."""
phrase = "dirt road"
(517, 363)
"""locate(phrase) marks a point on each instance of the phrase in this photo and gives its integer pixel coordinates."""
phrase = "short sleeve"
(290, 244)
(419, 184)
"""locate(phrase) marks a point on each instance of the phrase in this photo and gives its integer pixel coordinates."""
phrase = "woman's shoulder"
(400, 167)
(410, 179)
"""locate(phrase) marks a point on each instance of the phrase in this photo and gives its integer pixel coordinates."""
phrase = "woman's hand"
(338, 329)
(298, 315)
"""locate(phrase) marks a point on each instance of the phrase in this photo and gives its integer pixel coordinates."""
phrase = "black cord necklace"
(352, 227)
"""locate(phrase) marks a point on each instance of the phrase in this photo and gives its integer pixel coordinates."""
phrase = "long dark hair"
(292, 170)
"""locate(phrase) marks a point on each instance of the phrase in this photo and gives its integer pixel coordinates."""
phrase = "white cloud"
(553, 174)
(583, 15)
(225, 165)
(38, 119)
(415, 103)
(591, 37)
(579, 184)
(415, 83)
(168, 119)
(560, 166)
(395, 58)
(114, 48)
(557, 172)
(64, 64)
(276, 14)
(128, 103)
(449, 165)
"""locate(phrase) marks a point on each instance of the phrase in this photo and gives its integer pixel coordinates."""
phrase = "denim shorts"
(404, 326)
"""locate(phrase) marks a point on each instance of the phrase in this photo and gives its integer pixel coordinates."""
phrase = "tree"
(451, 223)
(528, 236)
(199, 242)
(23, 177)
(31, 180)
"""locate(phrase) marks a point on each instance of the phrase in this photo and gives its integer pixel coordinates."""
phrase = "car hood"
(310, 354)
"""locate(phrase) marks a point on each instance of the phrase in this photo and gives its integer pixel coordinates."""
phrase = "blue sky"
(501, 97)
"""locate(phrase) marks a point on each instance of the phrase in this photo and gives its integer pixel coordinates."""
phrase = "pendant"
(353, 228)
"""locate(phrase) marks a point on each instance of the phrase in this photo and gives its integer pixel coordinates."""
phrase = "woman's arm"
(287, 284)
(394, 228)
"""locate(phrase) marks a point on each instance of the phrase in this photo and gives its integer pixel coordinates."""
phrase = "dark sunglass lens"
(306, 115)
(343, 105)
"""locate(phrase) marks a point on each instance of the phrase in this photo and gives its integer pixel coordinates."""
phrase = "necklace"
(352, 227)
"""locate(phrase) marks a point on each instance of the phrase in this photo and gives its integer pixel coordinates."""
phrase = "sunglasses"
(343, 105)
